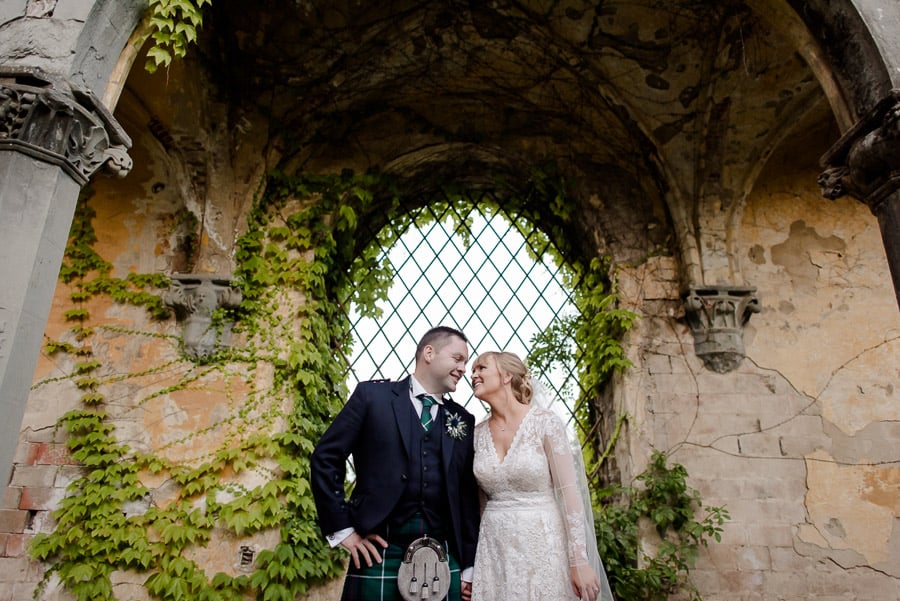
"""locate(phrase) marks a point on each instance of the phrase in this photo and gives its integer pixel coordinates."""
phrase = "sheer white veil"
(542, 399)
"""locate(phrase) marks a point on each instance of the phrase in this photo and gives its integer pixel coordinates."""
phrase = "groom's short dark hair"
(436, 336)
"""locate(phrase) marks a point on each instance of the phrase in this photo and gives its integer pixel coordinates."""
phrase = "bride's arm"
(585, 581)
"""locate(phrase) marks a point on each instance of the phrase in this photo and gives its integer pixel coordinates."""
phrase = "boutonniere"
(456, 427)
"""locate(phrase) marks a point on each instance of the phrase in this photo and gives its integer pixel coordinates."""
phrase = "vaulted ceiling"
(625, 83)
(678, 101)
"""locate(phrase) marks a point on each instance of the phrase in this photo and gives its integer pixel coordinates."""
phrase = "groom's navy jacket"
(376, 426)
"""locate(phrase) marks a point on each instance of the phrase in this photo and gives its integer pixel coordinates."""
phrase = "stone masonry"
(745, 150)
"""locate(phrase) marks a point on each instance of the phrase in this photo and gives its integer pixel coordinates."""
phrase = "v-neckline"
(512, 444)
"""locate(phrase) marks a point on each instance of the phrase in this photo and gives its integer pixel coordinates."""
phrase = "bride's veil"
(542, 399)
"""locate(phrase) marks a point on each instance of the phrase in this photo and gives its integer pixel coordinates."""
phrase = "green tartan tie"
(425, 418)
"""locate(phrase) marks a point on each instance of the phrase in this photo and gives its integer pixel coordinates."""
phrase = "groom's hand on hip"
(364, 548)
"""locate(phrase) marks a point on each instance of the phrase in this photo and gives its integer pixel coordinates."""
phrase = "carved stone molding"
(55, 121)
(717, 316)
(865, 162)
(195, 297)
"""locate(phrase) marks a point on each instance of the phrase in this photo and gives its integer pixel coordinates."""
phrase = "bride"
(537, 537)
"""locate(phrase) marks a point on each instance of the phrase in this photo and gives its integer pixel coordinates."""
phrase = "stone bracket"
(717, 316)
(195, 297)
(57, 122)
(865, 162)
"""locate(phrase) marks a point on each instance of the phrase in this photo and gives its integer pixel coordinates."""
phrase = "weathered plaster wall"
(140, 227)
(834, 334)
(799, 443)
(211, 154)
(793, 444)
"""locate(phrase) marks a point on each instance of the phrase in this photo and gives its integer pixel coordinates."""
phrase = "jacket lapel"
(447, 441)
(402, 414)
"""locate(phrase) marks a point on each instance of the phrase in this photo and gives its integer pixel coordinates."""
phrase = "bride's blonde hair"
(509, 363)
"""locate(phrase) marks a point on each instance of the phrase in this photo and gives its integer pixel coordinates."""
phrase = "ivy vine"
(290, 324)
(306, 253)
(173, 27)
(671, 510)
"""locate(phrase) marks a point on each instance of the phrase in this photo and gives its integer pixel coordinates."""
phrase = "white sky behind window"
(492, 291)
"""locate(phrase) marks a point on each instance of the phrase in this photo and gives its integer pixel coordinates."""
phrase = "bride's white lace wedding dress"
(525, 546)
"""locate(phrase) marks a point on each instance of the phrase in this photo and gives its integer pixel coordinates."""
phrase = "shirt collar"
(415, 389)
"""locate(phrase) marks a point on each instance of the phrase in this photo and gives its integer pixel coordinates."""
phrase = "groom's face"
(448, 364)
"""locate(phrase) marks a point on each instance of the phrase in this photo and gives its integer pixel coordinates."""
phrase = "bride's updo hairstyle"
(509, 363)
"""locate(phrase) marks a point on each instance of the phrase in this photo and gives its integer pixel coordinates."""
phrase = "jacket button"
(403, 477)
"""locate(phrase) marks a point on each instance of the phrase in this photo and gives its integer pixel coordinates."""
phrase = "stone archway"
(861, 60)
(663, 118)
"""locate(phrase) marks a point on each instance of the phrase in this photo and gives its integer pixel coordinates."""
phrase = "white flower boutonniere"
(456, 427)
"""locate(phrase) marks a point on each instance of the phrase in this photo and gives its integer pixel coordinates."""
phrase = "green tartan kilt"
(379, 582)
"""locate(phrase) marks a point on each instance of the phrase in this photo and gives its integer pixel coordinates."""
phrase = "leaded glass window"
(468, 267)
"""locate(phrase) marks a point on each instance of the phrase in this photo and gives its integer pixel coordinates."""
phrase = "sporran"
(424, 573)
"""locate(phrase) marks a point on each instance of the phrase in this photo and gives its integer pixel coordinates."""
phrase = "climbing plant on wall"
(173, 26)
(302, 256)
(109, 522)
(659, 499)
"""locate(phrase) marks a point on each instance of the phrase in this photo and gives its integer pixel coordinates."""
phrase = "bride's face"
(486, 378)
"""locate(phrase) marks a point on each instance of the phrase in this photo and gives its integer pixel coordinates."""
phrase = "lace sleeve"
(565, 484)
(570, 485)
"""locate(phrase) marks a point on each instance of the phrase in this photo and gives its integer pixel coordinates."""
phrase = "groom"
(412, 455)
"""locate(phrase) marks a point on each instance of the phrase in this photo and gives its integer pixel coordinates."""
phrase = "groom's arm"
(328, 465)
(328, 471)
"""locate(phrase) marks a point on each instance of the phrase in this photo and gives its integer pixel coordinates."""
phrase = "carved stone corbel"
(195, 297)
(55, 121)
(865, 164)
(717, 316)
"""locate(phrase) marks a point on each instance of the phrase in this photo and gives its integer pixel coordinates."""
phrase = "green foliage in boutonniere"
(456, 427)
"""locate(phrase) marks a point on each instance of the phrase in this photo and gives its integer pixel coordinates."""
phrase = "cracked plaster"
(682, 102)
(852, 509)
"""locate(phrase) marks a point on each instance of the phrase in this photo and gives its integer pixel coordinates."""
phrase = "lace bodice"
(536, 541)
(537, 472)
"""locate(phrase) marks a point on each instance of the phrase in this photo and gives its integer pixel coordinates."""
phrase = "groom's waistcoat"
(425, 490)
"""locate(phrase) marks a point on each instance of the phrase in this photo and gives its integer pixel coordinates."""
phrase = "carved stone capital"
(55, 121)
(865, 162)
(195, 297)
(717, 316)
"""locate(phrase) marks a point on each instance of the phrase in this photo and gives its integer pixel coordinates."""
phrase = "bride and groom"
(502, 500)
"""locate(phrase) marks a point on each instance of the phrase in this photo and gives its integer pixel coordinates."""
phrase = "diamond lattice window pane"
(484, 284)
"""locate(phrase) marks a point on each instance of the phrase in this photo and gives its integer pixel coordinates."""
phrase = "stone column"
(865, 163)
(53, 138)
